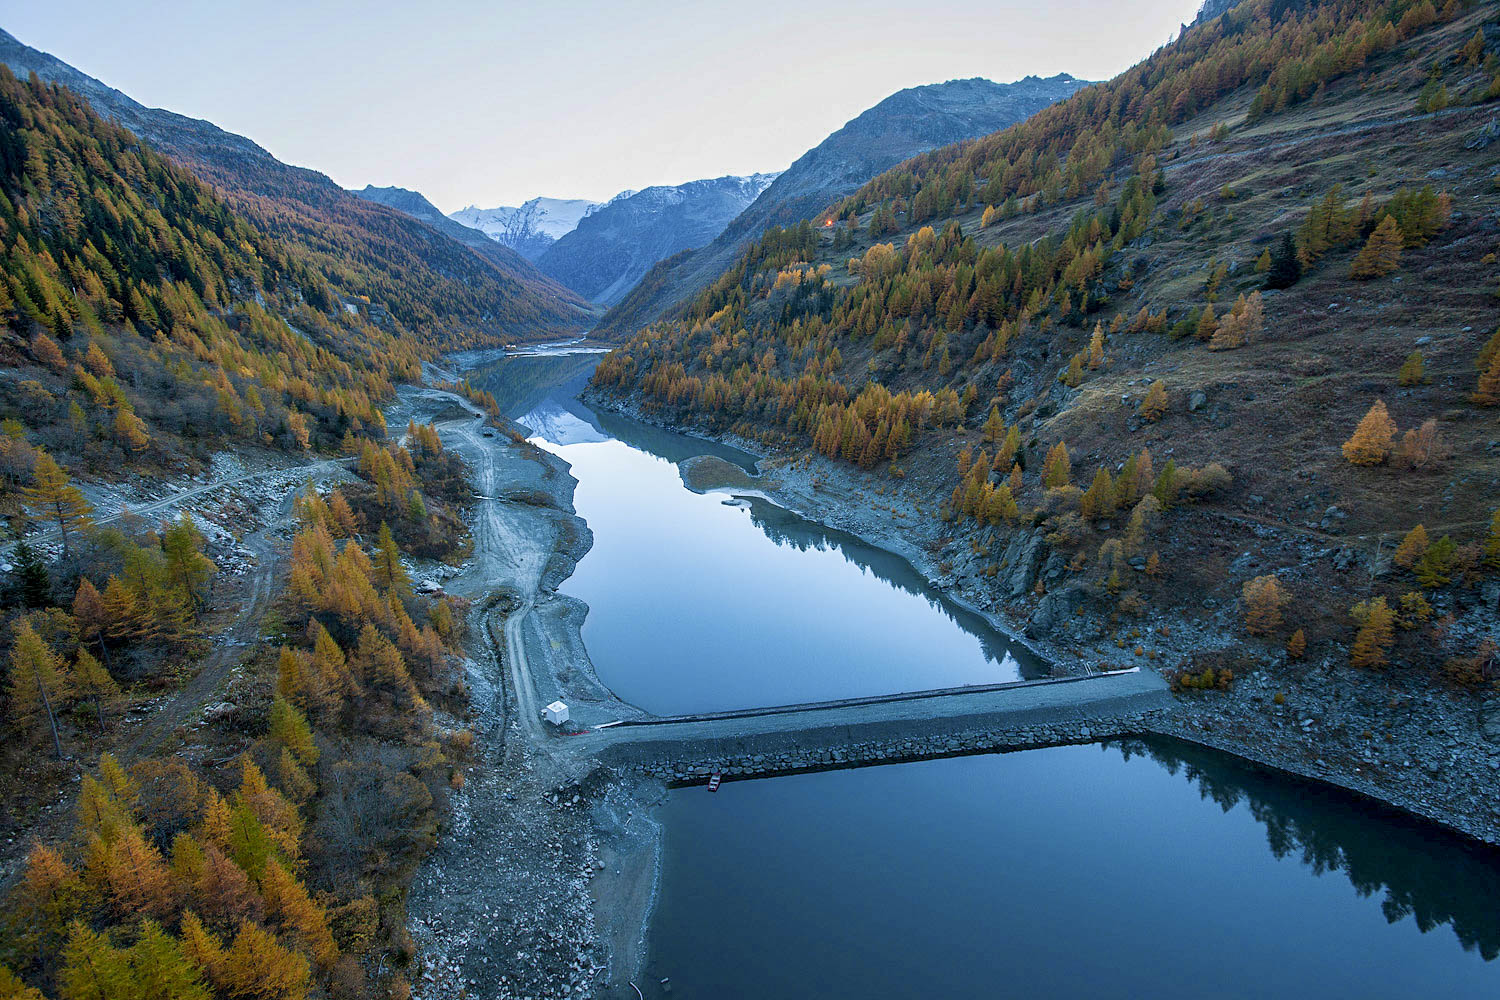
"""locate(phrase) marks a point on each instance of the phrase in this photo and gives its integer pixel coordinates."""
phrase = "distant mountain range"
(908, 122)
(615, 244)
(429, 280)
(414, 204)
(529, 229)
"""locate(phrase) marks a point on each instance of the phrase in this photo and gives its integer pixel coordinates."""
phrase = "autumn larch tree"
(1296, 646)
(1155, 403)
(1376, 632)
(1487, 391)
(38, 682)
(51, 497)
(1411, 548)
(994, 426)
(1413, 370)
(93, 684)
(1264, 600)
(1381, 253)
(1371, 441)
(1057, 470)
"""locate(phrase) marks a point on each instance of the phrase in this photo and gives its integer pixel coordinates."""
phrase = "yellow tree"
(52, 497)
(1412, 547)
(255, 967)
(994, 426)
(1381, 253)
(1376, 632)
(92, 968)
(1371, 442)
(38, 683)
(1057, 470)
(93, 684)
(288, 903)
(1099, 499)
(1487, 392)
(1264, 600)
(1155, 403)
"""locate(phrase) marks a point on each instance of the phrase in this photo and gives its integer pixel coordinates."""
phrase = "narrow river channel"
(1121, 870)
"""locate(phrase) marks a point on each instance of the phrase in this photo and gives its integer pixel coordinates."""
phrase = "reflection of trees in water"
(794, 531)
(669, 445)
(1425, 873)
(520, 384)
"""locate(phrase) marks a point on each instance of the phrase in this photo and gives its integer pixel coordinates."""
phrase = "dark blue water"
(1075, 872)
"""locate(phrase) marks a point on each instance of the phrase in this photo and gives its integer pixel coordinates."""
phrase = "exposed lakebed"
(1116, 870)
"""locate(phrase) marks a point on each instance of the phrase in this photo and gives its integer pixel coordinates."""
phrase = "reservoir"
(1126, 869)
(696, 605)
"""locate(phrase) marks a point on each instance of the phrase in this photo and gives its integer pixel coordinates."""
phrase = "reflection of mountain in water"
(669, 445)
(521, 383)
(541, 393)
(560, 425)
(1437, 878)
(786, 528)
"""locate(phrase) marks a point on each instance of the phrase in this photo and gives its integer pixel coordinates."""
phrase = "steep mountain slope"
(146, 322)
(504, 259)
(530, 228)
(904, 124)
(426, 281)
(1179, 359)
(614, 245)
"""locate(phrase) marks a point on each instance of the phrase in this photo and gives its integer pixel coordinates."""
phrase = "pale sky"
(494, 103)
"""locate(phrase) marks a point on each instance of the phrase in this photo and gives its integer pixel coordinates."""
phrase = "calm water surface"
(1129, 870)
(695, 605)
(1077, 872)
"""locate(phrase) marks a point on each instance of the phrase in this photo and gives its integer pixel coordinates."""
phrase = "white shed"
(556, 713)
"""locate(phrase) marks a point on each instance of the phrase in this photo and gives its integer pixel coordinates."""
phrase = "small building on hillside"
(556, 713)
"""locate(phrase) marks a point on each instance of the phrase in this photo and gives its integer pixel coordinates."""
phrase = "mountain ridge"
(613, 246)
(434, 283)
(908, 122)
(531, 227)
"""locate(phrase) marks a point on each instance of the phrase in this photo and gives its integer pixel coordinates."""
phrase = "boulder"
(1054, 613)
(1023, 558)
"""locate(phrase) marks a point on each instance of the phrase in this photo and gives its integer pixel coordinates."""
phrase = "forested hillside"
(908, 122)
(146, 320)
(426, 282)
(1237, 300)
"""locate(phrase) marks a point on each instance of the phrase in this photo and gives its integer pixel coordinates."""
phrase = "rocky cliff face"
(614, 246)
(908, 122)
(531, 228)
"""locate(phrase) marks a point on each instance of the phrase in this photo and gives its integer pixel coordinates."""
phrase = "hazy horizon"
(470, 108)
